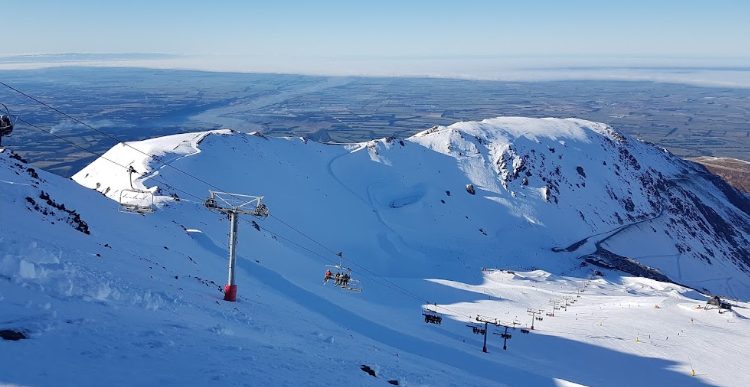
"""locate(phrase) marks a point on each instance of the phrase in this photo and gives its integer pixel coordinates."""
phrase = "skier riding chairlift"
(345, 279)
(337, 279)
(6, 124)
(431, 316)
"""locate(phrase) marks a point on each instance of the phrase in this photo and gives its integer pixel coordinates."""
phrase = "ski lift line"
(383, 281)
(185, 173)
(328, 259)
(374, 277)
(180, 170)
(392, 285)
(169, 186)
(165, 184)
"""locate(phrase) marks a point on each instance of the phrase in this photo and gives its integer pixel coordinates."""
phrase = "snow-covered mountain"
(122, 299)
(574, 187)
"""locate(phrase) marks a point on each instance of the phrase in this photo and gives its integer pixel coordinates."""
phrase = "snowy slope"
(542, 185)
(137, 301)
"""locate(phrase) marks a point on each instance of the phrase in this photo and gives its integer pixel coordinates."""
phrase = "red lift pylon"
(233, 205)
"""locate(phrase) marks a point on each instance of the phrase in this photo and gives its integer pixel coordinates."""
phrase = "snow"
(139, 300)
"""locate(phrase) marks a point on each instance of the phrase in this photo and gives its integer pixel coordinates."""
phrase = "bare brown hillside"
(736, 172)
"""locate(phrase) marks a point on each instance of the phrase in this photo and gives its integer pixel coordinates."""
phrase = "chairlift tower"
(568, 301)
(486, 321)
(533, 312)
(555, 306)
(233, 205)
(505, 335)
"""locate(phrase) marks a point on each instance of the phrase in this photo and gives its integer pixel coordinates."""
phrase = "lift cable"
(18, 118)
(405, 291)
(372, 275)
(387, 283)
(113, 137)
(101, 155)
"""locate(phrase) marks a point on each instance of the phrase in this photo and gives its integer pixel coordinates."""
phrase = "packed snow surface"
(113, 298)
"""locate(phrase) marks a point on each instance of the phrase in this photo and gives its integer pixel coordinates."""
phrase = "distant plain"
(133, 104)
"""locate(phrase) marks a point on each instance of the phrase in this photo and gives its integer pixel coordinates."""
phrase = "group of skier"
(432, 318)
(340, 279)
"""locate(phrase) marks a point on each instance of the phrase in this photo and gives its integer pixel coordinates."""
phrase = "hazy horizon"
(690, 42)
(722, 72)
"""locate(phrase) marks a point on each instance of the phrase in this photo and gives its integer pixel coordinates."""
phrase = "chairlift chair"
(500, 331)
(352, 285)
(6, 123)
(348, 283)
(431, 316)
(477, 329)
(136, 201)
(210, 203)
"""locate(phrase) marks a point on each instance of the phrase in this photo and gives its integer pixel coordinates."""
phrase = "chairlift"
(501, 331)
(525, 331)
(540, 318)
(352, 285)
(6, 124)
(136, 201)
(342, 276)
(431, 316)
(210, 203)
(477, 329)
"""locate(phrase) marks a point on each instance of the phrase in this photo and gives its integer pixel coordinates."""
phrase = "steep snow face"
(142, 156)
(550, 193)
(609, 199)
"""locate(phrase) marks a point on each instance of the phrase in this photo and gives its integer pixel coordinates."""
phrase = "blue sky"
(384, 28)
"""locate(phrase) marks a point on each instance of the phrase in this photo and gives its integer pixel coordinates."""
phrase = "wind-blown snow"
(137, 300)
